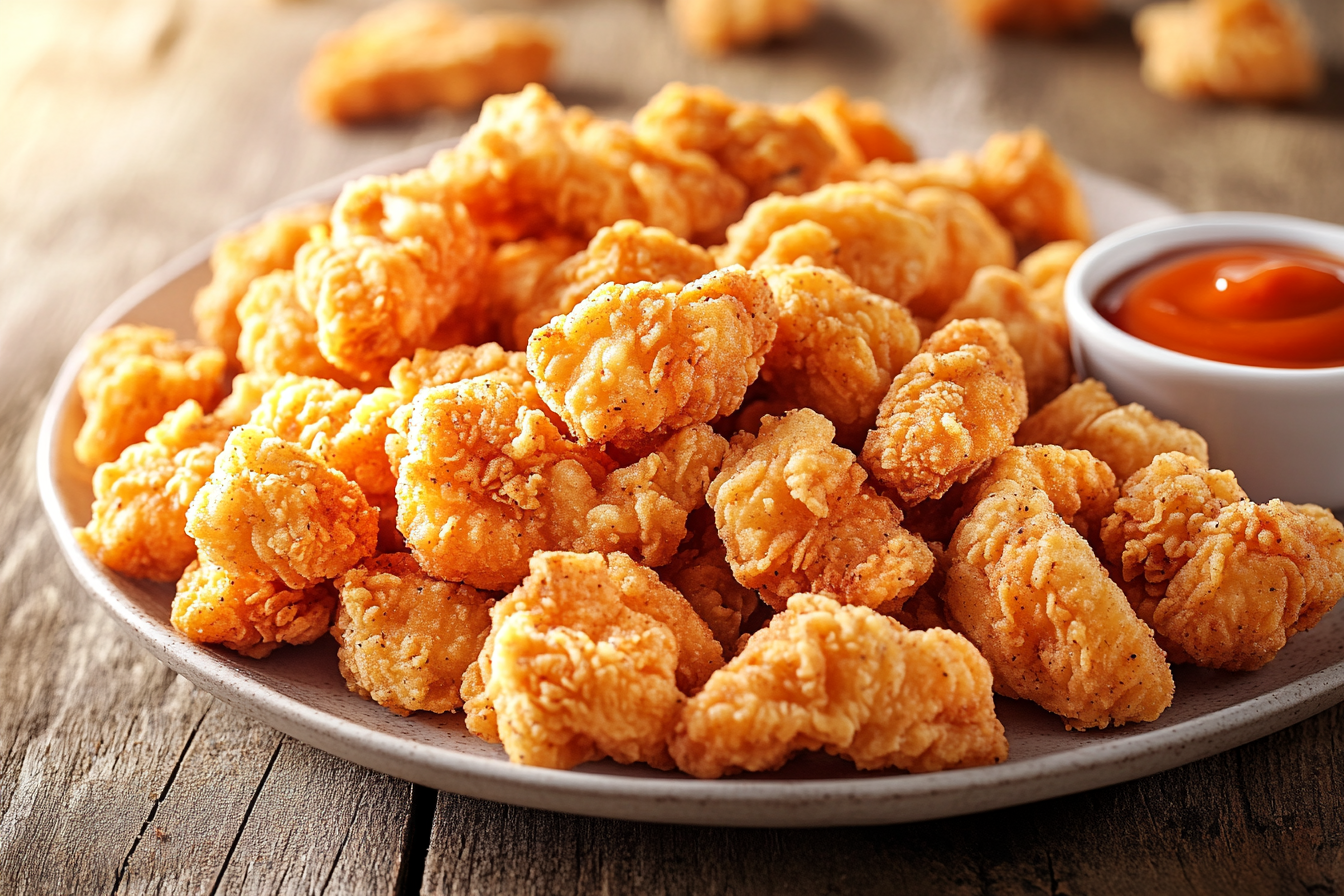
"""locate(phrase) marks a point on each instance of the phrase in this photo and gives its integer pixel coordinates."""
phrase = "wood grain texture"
(130, 129)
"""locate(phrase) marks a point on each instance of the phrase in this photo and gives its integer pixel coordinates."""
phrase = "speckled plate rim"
(676, 799)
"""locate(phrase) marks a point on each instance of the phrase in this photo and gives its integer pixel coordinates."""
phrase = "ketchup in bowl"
(1259, 305)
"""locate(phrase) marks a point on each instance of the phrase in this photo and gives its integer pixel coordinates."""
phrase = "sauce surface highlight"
(1260, 305)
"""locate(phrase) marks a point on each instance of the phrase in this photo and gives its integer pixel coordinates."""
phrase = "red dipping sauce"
(1260, 305)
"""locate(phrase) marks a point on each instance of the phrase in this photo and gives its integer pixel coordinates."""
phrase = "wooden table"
(129, 129)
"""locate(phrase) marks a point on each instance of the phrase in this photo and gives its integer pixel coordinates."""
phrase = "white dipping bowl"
(1280, 430)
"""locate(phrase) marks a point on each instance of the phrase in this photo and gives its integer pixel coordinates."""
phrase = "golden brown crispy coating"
(512, 275)
(1027, 590)
(847, 680)
(1016, 175)
(716, 27)
(139, 522)
(949, 412)
(358, 449)
(1126, 438)
(277, 334)
(632, 363)
(804, 243)
(530, 167)
(858, 129)
(240, 258)
(1044, 18)
(1259, 574)
(770, 149)
(246, 613)
(884, 247)
(132, 377)
(571, 673)
(414, 55)
(795, 514)
(626, 252)
(966, 238)
(1046, 269)
(405, 638)
(273, 510)
(1228, 49)
(305, 410)
(700, 571)
(925, 610)
(1081, 489)
(1159, 514)
(1007, 296)
(838, 345)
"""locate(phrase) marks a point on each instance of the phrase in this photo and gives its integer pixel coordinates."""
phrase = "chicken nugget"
(949, 412)
(512, 275)
(1080, 487)
(133, 376)
(273, 510)
(700, 571)
(1043, 18)
(1027, 590)
(966, 238)
(1046, 269)
(247, 613)
(837, 347)
(414, 55)
(305, 410)
(277, 335)
(571, 672)
(715, 27)
(858, 129)
(883, 246)
(239, 258)
(632, 363)
(406, 639)
(795, 515)
(851, 682)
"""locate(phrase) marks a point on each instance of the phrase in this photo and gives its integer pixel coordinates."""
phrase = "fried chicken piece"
(414, 55)
(531, 167)
(858, 129)
(277, 335)
(624, 253)
(1259, 574)
(1046, 269)
(883, 246)
(966, 238)
(1007, 296)
(240, 258)
(133, 376)
(631, 364)
(1042, 18)
(700, 571)
(795, 515)
(246, 613)
(1026, 589)
(398, 261)
(1081, 489)
(925, 610)
(571, 672)
(139, 520)
(806, 243)
(1126, 438)
(514, 272)
(851, 682)
(1017, 176)
(274, 510)
(837, 347)
(1257, 50)
(949, 412)
(1152, 531)
(358, 449)
(716, 27)
(307, 411)
(406, 639)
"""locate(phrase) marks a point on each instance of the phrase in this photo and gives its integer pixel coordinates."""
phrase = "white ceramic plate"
(300, 692)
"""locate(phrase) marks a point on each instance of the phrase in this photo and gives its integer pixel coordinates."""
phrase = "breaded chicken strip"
(851, 682)
(273, 510)
(883, 246)
(277, 335)
(949, 412)
(246, 613)
(966, 238)
(132, 377)
(1081, 489)
(626, 252)
(1016, 175)
(1127, 438)
(700, 571)
(1027, 590)
(631, 364)
(399, 260)
(795, 514)
(406, 639)
(240, 258)
(838, 345)
(577, 667)
(485, 481)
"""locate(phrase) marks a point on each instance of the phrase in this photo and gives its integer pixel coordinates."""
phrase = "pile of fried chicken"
(696, 441)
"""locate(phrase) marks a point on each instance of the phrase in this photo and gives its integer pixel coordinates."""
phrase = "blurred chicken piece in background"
(716, 27)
